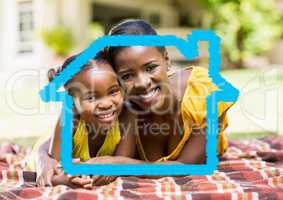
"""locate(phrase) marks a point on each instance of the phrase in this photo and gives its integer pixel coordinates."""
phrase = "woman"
(176, 100)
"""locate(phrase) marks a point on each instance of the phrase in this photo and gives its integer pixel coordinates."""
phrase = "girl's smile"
(106, 117)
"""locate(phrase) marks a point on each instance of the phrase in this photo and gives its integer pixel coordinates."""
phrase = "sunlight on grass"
(249, 117)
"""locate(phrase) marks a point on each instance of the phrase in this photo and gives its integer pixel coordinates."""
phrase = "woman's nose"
(142, 82)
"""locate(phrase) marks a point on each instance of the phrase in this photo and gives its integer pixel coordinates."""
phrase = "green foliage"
(246, 27)
(59, 39)
(95, 30)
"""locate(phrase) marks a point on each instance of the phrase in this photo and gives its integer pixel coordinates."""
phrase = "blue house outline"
(189, 49)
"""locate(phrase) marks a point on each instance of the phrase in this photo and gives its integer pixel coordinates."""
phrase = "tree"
(246, 27)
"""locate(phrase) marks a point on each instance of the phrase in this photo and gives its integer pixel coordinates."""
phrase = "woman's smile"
(150, 96)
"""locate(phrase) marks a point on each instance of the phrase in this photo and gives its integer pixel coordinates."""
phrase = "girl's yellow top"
(81, 145)
(193, 110)
(80, 142)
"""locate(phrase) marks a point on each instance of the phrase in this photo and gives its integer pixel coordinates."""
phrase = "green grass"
(24, 142)
(249, 135)
(24, 129)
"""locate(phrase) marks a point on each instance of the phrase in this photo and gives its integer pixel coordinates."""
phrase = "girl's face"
(143, 71)
(98, 96)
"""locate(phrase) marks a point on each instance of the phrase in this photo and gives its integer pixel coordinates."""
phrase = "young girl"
(97, 111)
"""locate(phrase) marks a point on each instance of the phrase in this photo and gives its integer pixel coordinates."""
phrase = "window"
(25, 27)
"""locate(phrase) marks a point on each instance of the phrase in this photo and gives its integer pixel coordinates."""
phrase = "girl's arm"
(55, 141)
(45, 165)
(60, 177)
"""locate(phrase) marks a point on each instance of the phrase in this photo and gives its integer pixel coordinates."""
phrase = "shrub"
(59, 39)
(246, 27)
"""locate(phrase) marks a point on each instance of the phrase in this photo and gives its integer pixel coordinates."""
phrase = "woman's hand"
(103, 160)
(270, 156)
(103, 180)
(114, 160)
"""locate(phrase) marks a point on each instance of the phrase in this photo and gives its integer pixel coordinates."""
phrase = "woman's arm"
(128, 130)
(194, 151)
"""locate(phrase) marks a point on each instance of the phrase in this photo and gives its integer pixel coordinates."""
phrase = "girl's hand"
(72, 181)
(45, 170)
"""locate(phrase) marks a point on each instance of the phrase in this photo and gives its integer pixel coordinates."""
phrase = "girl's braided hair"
(53, 72)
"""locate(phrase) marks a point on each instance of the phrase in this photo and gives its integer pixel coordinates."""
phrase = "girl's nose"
(104, 105)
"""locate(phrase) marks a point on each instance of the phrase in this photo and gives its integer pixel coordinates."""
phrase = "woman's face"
(143, 71)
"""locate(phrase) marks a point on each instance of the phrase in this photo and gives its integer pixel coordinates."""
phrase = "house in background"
(22, 20)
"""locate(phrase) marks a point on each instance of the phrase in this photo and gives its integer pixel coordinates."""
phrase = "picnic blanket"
(241, 175)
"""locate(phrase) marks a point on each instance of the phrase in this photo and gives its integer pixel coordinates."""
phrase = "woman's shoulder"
(127, 114)
(199, 74)
(200, 82)
(178, 80)
(188, 76)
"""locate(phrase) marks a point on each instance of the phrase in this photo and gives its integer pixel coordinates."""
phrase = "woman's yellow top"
(80, 142)
(193, 110)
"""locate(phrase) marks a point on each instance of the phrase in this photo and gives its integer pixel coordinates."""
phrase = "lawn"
(259, 108)
(258, 111)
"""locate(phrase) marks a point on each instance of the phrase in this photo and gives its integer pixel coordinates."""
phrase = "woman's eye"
(150, 68)
(126, 77)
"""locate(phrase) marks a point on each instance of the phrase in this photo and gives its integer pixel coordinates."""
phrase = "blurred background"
(36, 35)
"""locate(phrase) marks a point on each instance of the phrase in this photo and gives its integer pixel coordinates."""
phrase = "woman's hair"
(132, 27)
(100, 57)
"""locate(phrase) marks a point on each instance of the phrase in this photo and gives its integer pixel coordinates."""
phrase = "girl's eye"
(114, 91)
(90, 98)
(126, 77)
(150, 68)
